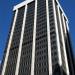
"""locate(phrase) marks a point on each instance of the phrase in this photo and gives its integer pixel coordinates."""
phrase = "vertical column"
(49, 41)
(34, 39)
(21, 40)
(67, 25)
(64, 23)
(57, 34)
(63, 41)
(9, 44)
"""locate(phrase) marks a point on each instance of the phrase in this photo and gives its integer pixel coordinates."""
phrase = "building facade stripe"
(34, 38)
(62, 35)
(22, 4)
(67, 26)
(57, 34)
(62, 10)
(21, 41)
(63, 13)
(49, 42)
(9, 44)
(64, 23)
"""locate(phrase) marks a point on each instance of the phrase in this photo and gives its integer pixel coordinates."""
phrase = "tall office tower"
(39, 41)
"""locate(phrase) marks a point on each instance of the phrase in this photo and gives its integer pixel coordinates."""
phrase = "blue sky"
(6, 7)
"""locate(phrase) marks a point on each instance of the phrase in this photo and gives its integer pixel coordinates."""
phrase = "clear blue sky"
(6, 7)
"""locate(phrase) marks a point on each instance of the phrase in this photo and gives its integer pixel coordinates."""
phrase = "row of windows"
(42, 64)
(41, 58)
(53, 35)
(18, 27)
(41, 53)
(12, 59)
(61, 46)
(41, 41)
(43, 71)
(41, 46)
(26, 54)
(11, 64)
(62, 53)
(41, 36)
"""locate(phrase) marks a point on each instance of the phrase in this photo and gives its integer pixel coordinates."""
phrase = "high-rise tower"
(39, 41)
